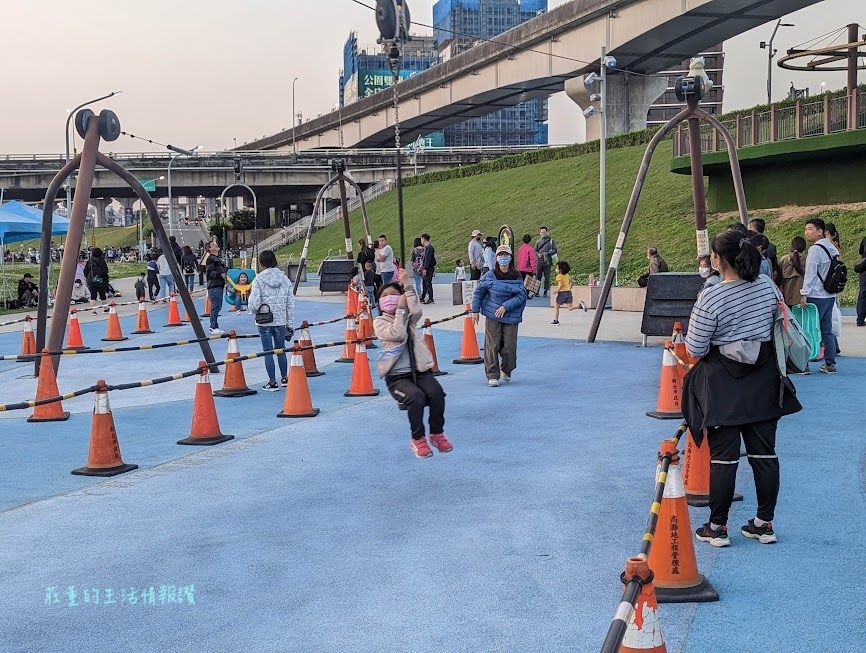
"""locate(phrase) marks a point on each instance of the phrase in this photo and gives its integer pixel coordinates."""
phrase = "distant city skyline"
(213, 72)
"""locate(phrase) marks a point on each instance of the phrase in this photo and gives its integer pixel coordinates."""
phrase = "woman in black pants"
(735, 390)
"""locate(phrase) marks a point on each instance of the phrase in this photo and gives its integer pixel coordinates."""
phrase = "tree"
(242, 219)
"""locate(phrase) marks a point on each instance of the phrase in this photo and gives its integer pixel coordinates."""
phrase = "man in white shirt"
(813, 291)
(385, 260)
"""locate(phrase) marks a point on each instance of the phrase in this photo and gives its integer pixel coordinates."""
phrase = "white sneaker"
(504, 378)
(493, 383)
(217, 332)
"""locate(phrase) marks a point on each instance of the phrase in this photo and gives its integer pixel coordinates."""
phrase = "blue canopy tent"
(21, 222)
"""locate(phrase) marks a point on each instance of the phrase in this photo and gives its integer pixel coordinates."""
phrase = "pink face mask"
(388, 303)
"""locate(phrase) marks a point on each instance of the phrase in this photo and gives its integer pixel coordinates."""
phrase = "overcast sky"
(210, 71)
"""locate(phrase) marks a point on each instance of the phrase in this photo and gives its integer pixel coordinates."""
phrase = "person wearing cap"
(476, 256)
(501, 297)
(28, 293)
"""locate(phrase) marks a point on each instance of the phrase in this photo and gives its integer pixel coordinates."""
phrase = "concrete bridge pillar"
(100, 205)
(628, 101)
(128, 215)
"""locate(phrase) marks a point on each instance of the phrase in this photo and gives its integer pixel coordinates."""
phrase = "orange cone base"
(60, 418)
(374, 393)
(173, 325)
(207, 441)
(468, 361)
(703, 592)
(315, 373)
(67, 348)
(135, 333)
(104, 471)
(240, 392)
(313, 413)
(114, 339)
(345, 360)
(439, 373)
(660, 415)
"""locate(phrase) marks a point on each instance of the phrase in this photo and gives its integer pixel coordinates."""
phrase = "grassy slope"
(563, 195)
(103, 236)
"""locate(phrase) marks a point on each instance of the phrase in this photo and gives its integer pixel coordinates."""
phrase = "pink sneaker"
(421, 448)
(441, 442)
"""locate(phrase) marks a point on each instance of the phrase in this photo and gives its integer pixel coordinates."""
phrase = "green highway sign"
(149, 186)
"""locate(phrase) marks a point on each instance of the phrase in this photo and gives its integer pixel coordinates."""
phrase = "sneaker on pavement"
(493, 383)
(441, 443)
(285, 382)
(270, 386)
(716, 537)
(827, 368)
(217, 332)
(555, 322)
(764, 534)
(421, 448)
(504, 378)
(582, 305)
(805, 372)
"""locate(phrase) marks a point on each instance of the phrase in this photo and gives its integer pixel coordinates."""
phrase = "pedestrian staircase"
(298, 230)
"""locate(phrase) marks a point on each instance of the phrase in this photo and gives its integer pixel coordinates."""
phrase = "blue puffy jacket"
(491, 293)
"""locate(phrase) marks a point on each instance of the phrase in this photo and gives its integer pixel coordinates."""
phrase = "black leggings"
(427, 392)
(760, 441)
(427, 284)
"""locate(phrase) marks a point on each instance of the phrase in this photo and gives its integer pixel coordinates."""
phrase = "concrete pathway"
(326, 534)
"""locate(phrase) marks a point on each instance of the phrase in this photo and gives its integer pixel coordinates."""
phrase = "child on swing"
(405, 363)
(240, 291)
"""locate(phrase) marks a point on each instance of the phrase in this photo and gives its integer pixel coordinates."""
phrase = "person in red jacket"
(526, 258)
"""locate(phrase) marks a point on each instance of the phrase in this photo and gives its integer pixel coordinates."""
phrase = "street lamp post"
(68, 118)
(770, 54)
(180, 152)
(294, 118)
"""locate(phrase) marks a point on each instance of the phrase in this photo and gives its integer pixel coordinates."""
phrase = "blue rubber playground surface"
(326, 534)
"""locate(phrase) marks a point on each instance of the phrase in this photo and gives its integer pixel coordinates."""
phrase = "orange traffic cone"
(46, 387)
(207, 307)
(362, 380)
(205, 428)
(143, 325)
(173, 315)
(365, 322)
(644, 631)
(428, 340)
(672, 556)
(74, 340)
(103, 459)
(298, 402)
(308, 355)
(669, 404)
(113, 332)
(351, 301)
(696, 473)
(349, 348)
(185, 319)
(234, 383)
(469, 354)
(28, 342)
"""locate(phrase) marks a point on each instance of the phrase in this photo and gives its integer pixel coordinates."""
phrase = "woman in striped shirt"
(735, 389)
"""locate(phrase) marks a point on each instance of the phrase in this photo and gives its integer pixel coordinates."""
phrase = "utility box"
(291, 270)
(670, 297)
(335, 274)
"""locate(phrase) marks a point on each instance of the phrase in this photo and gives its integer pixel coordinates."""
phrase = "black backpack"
(837, 274)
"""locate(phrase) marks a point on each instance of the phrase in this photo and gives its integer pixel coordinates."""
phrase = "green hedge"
(530, 158)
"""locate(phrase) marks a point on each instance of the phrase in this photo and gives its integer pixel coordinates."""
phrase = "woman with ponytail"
(793, 266)
(735, 390)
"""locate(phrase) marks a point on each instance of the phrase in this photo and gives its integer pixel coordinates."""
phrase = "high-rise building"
(667, 106)
(459, 25)
(366, 70)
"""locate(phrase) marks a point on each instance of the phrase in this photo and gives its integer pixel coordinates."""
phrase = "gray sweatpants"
(500, 340)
